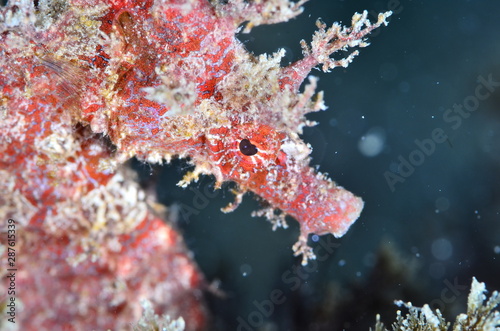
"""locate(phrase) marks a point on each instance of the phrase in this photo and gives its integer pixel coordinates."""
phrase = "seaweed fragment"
(480, 315)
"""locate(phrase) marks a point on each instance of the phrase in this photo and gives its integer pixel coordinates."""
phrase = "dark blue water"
(413, 127)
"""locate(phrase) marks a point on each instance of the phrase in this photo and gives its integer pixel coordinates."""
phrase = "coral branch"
(480, 315)
(329, 41)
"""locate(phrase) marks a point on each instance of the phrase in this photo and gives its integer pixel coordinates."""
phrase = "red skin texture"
(319, 205)
(104, 294)
(72, 272)
(312, 200)
(57, 294)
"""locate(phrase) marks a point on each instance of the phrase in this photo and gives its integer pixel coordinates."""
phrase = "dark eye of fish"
(247, 148)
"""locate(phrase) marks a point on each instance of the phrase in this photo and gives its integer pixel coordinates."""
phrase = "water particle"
(442, 204)
(245, 270)
(442, 249)
(372, 143)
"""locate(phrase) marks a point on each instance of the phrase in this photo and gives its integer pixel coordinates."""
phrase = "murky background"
(413, 127)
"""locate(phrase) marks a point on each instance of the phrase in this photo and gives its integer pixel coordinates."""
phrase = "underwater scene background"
(412, 127)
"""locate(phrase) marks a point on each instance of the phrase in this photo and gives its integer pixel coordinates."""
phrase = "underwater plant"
(480, 315)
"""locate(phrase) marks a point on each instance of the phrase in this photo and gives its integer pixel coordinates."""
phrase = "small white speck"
(245, 270)
(341, 263)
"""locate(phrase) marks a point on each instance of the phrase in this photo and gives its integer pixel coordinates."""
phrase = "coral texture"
(87, 246)
(85, 85)
(150, 321)
(480, 315)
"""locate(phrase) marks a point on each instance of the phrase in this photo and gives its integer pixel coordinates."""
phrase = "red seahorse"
(165, 78)
(176, 81)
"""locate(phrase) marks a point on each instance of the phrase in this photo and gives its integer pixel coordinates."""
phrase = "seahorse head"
(274, 164)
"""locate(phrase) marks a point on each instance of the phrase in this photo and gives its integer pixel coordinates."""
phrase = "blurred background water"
(432, 211)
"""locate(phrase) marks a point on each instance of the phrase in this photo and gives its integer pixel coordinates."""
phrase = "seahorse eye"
(247, 148)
